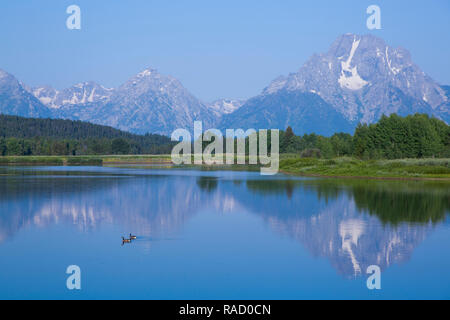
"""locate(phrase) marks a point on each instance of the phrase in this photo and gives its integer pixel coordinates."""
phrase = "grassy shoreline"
(406, 169)
(84, 160)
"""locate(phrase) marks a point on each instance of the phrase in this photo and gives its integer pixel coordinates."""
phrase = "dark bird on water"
(125, 240)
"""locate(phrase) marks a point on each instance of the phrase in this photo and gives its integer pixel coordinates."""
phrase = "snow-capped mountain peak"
(152, 102)
(147, 73)
(363, 78)
(79, 94)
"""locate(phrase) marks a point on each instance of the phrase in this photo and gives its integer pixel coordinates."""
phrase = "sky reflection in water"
(219, 235)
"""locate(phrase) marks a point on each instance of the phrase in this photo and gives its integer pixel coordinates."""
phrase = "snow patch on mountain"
(225, 106)
(350, 78)
(79, 94)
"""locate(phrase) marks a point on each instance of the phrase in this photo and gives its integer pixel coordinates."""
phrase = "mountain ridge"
(362, 78)
(358, 79)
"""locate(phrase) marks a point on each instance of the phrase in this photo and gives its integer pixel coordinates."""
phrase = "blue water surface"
(205, 234)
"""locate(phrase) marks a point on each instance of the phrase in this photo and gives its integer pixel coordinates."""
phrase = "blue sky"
(229, 49)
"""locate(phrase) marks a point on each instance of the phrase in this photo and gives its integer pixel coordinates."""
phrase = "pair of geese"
(128, 240)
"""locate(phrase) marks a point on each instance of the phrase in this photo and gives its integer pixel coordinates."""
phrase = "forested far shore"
(394, 137)
(44, 137)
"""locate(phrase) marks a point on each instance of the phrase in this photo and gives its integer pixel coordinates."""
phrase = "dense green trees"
(120, 146)
(393, 137)
(23, 136)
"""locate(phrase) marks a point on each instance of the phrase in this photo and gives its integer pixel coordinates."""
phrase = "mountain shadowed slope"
(16, 100)
(304, 112)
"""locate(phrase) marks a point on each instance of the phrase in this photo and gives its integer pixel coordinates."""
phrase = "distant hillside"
(31, 136)
(19, 127)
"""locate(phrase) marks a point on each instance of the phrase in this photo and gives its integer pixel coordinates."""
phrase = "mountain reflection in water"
(354, 224)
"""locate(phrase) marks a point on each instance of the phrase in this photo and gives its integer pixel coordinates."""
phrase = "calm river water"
(219, 235)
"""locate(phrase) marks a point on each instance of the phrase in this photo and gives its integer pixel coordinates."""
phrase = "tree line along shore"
(416, 146)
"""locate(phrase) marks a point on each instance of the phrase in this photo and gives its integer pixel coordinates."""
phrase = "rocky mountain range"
(149, 102)
(359, 79)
